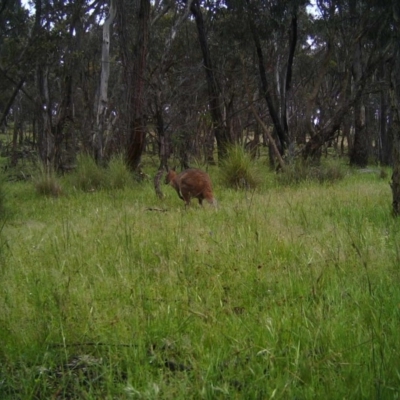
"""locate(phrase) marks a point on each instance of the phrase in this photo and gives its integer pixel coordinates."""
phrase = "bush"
(46, 182)
(118, 174)
(3, 208)
(88, 175)
(238, 169)
(328, 171)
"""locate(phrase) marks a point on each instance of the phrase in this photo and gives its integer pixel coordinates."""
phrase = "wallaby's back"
(192, 183)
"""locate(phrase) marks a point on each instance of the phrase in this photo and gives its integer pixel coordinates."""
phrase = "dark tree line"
(187, 78)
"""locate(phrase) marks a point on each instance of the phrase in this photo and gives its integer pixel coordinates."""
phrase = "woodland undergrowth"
(286, 291)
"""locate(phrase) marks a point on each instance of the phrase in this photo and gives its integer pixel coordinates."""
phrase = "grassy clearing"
(283, 292)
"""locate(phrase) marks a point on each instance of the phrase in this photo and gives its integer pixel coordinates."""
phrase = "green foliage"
(4, 215)
(46, 182)
(118, 173)
(289, 294)
(3, 198)
(238, 170)
(88, 175)
(328, 171)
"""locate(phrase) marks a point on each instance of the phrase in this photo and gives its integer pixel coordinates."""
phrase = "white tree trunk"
(103, 92)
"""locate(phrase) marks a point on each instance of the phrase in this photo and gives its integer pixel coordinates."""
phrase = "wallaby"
(191, 183)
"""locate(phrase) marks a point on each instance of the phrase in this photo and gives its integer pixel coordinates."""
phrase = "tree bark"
(220, 131)
(395, 104)
(137, 133)
(289, 73)
(282, 135)
(103, 92)
(385, 142)
(164, 140)
(45, 138)
(11, 100)
(280, 123)
(359, 153)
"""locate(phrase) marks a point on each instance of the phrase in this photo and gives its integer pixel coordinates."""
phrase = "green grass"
(238, 170)
(283, 292)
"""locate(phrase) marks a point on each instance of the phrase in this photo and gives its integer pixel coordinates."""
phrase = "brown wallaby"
(191, 183)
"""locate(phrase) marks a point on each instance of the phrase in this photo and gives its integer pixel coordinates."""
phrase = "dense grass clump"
(88, 175)
(238, 171)
(4, 215)
(328, 171)
(289, 292)
(46, 181)
(3, 200)
(118, 174)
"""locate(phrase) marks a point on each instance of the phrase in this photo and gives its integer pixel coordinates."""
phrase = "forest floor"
(285, 292)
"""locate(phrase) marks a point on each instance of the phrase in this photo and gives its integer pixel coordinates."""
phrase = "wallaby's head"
(170, 176)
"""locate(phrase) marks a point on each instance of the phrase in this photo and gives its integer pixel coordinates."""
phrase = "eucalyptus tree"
(185, 107)
(133, 46)
(213, 87)
(350, 63)
(101, 115)
(395, 105)
(15, 52)
(168, 112)
(281, 14)
(369, 21)
(47, 68)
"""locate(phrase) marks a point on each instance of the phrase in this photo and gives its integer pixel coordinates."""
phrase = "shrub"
(238, 169)
(3, 208)
(329, 171)
(301, 171)
(118, 174)
(46, 182)
(88, 175)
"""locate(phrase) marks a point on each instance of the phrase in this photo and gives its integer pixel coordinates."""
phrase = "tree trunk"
(288, 79)
(385, 143)
(359, 153)
(137, 133)
(163, 152)
(11, 100)
(281, 126)
(45, 138)
(164, 139)
(220, 131)
(16, 133)
(103, 95)
(395, 104)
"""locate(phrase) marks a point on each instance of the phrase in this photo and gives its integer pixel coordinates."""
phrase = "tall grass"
(89, 176)
(46, 181)
(327, 171)
(291, 294)
(238, 170)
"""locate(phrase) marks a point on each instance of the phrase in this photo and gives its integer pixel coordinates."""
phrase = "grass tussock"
(46, 182)
(290, 294)
(3, 201)
(328, 171)
(118, 174)
(89, 176)
(238, 170)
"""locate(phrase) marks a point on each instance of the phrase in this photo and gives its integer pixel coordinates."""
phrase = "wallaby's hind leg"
(186, 198)
(213, 202)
